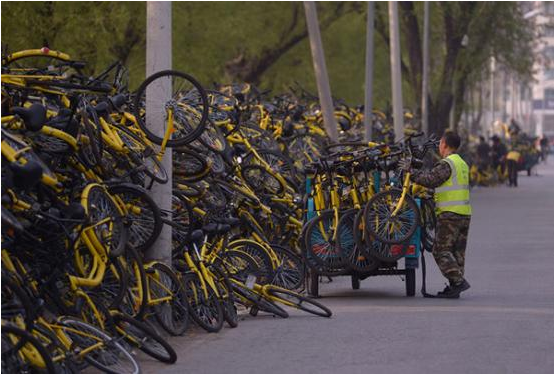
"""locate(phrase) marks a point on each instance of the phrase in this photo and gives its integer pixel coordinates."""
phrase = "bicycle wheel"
(205, 310)
(212, 138)
(101, 208)
(320, 244)
(293, 299)
(143, 215)
(261, 181)
(134, 301)
(226, 296)
(102, 351)
(92, 148)
(361, 260)
(22, 353)
(249, 298)
(290, 271)
(345, 234)
(379, 219)
(189, 165)
(172, 315)
(261, 256)
(16, 303)
(187, 100)
(279, 163)
(142, 336)
(429, 220)
(142, 155)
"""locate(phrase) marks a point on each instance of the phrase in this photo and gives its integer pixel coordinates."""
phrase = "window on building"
(548, 30)
(549, 7)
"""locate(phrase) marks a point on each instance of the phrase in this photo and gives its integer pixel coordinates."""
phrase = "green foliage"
(207, 36)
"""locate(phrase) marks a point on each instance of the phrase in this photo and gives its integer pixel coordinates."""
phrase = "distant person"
(450, 179)
(498, 153)
(544, 144)
(512, 159)
(483, 154)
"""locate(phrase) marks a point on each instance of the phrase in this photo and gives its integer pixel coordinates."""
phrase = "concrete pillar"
(369, 50)
(425, 75)
(158, 57)
(396, 72)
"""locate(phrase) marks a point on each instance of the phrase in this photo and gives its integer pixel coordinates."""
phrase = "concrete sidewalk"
(504, 323)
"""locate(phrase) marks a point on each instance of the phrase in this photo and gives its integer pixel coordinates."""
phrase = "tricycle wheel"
(355, 282)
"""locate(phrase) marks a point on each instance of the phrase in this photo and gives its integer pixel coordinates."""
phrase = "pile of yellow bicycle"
(79, 157)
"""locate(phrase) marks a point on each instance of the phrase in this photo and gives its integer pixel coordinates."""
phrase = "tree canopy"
(266, 43)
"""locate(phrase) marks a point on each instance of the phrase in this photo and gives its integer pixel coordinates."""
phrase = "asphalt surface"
(503, 324)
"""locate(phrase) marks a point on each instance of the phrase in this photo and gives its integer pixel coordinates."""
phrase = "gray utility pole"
(492, 98)
(158, 57)
(396, 73)
(425, 79)
(369, 48)
(320, 70)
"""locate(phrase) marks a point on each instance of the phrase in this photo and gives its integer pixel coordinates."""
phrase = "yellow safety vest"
(453, 194)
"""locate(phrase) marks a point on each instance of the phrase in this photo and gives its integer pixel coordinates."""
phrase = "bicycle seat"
(196, 236)
(231, 221)
(64, 122)
(26, 176)
(34, 117)
(102, 108)
(10, 221)
(118, 101)
(214, 228)
(74, 211)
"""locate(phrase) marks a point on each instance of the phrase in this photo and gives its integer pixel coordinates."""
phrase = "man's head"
(481, 139)
(449, 143)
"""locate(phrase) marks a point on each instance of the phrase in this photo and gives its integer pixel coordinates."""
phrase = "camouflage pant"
(450, 247)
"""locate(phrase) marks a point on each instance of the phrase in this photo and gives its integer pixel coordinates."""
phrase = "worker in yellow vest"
(450, 179)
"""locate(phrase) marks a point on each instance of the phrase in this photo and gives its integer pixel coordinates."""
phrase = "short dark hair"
(451, 139)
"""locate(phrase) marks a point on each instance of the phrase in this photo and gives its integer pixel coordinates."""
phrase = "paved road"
(504, 323)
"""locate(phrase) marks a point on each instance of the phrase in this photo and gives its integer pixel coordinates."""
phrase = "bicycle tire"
(171, 316)
(11, 356)
(189, 136)
(298, 301)
(189, 165)
(291, 271)
(91, 156)
(99, 206)
(147, 341)
(212, 138)
(258, 300)
(70, 325)
(259, 253)
(324, 252)
(134, 302)
(230, 313)
(361, 259)
(429, 223)
(16, 302)
(200, 308)
(384, 202)
(261, 180)
(144, 226)
(143, 155)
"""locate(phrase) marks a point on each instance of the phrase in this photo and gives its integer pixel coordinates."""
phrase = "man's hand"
(405, 164)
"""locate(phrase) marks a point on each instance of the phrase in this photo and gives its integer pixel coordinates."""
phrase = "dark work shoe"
(453, 291)
(447, 293)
